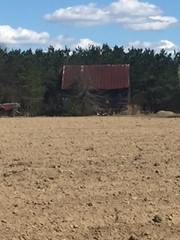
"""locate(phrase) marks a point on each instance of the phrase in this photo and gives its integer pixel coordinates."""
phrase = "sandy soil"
(90, 178)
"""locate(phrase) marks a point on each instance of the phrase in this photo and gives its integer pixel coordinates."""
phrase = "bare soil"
(89, 178)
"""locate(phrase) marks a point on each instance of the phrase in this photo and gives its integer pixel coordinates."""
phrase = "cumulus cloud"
(85, 43)
(152, 23)
(11, 36)
(129, 13)
(169, 46)
(18, 37)
(83, 15)
(61, 41)
(139, 44)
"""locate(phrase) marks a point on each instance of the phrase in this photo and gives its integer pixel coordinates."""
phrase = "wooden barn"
(109, 83)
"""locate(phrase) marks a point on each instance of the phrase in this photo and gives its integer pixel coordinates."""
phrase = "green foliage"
(33, 78)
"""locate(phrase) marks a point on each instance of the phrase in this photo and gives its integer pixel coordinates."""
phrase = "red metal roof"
(102, 77)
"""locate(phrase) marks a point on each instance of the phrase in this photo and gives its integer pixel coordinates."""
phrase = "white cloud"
(139, 44)
(134, 8)
(152, 23)
(129, 13)
(18, 37)
(79, 15)
(157, 46)
(11, 36)
(61, 41)
(168, 45)
(85, 43)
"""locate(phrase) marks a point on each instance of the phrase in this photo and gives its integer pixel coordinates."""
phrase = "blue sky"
(139, 23)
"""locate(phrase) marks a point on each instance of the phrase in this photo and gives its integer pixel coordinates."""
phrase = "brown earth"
(90, 178)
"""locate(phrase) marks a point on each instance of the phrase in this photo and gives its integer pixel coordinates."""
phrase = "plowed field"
(89, 178)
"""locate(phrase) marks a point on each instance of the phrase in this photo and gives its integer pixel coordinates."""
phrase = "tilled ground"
(96, 178)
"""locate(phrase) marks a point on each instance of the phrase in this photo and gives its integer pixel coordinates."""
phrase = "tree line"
(32, 78)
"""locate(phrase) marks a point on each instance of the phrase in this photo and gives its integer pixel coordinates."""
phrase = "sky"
(38, 24)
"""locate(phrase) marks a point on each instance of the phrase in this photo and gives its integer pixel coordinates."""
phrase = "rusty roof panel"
(102, 77)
